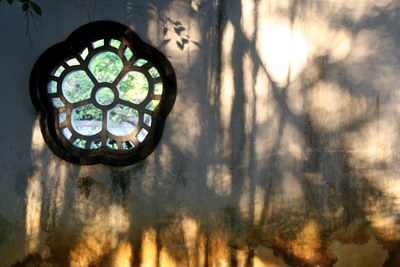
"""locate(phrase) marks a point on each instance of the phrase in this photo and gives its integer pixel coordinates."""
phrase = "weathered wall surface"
(282, 147)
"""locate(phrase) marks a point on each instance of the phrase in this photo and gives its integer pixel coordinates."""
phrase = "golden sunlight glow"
(265, 258)
(149, 248)
(100, 235)
(166, 259)
(122, 256)
(307, 244)
(190, 231)
(218, 249)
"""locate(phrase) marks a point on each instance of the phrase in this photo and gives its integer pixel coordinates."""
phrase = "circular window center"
(104, 96)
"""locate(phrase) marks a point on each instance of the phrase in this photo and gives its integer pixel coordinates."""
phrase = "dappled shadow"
(281, 148)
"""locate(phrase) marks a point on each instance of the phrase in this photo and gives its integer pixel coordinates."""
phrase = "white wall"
(282, 146)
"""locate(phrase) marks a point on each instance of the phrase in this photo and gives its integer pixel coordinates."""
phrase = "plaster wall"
(282, 147)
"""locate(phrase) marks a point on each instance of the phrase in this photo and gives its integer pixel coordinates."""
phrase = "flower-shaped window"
(103, 95)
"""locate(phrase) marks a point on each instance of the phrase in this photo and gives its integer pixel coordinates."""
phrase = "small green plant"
(31, 9)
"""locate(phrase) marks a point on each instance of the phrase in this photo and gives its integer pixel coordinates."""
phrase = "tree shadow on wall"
(255, 168)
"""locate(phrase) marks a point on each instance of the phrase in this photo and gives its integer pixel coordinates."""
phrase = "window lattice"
(106, 97)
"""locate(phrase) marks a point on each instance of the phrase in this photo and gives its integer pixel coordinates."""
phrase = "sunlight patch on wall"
(37, 142)
(282, 48)
(259, 200)
(195, 248)
(369, 254)
(178, 33)
(247, 20)
(264, 257)
(218, 249)
(332, 108)
(292, 145)
(166, 159)
(307, 244)
(57, 174)
(33, 212)
(375, 142)
(100, 235)
(355, 11)
(383, 212)
(245, 198)
(267, 118)
(122, 256)
(149, 248)
(227, 77)
(219, 179)
(249, 92)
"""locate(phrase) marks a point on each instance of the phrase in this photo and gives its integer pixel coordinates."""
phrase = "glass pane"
(127, 145)
(58, 72)
(128, 53)
(52, 87)
(79, 143)
(147, 119)
(84, 53)
(73, 62)
(67, 133)
(62, 116)
(112, 144)
(152, 105)
(141, 135)
(87, 120)
(134, 87)
(106, 66)
(122, 120)
(98, 43)
(105, 96)
(154, 72)
(95, 144)
(140, 62)
(77, 86)
(158, 89)
(57, 103)
(115, 43)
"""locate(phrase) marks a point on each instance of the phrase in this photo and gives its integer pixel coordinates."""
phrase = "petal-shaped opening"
(106, 66)
(134, 87)
(122, 120)
(77, 86)
(87, 120)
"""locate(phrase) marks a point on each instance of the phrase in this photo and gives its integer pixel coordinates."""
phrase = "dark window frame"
(72, 46)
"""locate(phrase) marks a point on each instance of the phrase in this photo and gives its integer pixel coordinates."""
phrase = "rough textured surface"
(282, 147)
